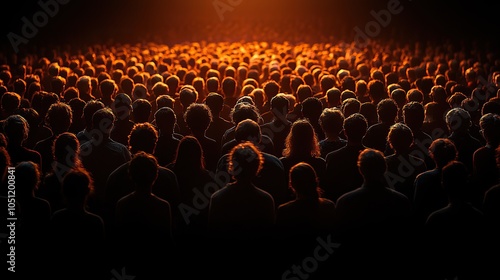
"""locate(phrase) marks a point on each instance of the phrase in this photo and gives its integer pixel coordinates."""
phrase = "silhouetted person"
(166, 147)
(101, 155)
(142, 138)
(371, 219)
(272, 176)
(141, 110)
(413, 116)
(302, 146)
(402, 167)
(376, 134)
(144, 222)
(331, 121)
(311, 110)
(455, 233)
(309, 215)
(84, 86)
(88, 111)
(77, 235)
(16, 129)
(459, 122)
(429, 195)
(34, 216)
(65, 151)
(434, 123)
(58, 118)
(342, 173)
(122, 109)
(198, 118)
(279, 126)
(485, 171)
(77, 120)
(219, 125)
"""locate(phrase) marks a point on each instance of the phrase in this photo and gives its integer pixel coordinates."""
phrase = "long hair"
(301, 141)
(189, 155)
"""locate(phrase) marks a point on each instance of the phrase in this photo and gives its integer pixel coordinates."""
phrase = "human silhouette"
(16, 130)
(376, 134)
(331, 121)
(165, 120)
(278, 127)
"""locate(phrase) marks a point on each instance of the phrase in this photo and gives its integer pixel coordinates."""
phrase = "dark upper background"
(92, 21)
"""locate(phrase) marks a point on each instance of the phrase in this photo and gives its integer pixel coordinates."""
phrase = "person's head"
(66, 150)
(303, 181)
(187, 96)
(413, 115)
(58, 83)
(77, 185)
(355, 127)
(84, 85)
(142, 137)
(229, 86)
(455, 100)
(455, 180)
(280, 106)
(387, 110)
(438, 94)
(215, 103)
(271, 89)
(372, 165)
(189, 154)
(245, 161)
(303, 92)
(143, 171)
(102, 121)
(19, 86)
(108, 88)
(312, 108)
(295, 82)
(213, 84)
(28, 176)
(491, 106)
(442, 151)
(165, 119)
(16, 129)
(10, 102)
(331, 121)
(490, 128)
(415, 95)
(350, 106)
(121, 106)
(458, 120)
(301, 141)
(376, 90)
(141, 110)
(399, 95)
(173, 82)
(88, 111)
(70, 93)
(333, 96)
(400, 138)
(242, 111)
(59, 117)
(248, 130)
(198, 117)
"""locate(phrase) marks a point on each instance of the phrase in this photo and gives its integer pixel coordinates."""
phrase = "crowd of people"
(271, 160)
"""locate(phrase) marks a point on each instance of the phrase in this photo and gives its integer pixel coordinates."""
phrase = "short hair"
(66, 149)
(28, 176)
(372, 164)
(165, 118)
(376, 90)
(303, 92)
(490, 128)
(331, 121)
(245, 161)
(198, 116)
(164, 101)
(304, 181)
(242, 111)
(143, 137)
(387, 110)
(70, 93)
(415, 95)
(400, 137)
(139, 91)
(187, 95)
(248, 130)
(312, 108)
(414, 114)
(228, 86)
(10, 101)
(215, 102)
(103, 120)
(442, 151)
(438, 94)
(90, 108)
(141, 110)
(355, 127)
(16, 128)
(326, 82)
(77, 184)
(271, 89)
(333, 94)
(350, 106)
(108, 87)
(458, 119)
(143, 169)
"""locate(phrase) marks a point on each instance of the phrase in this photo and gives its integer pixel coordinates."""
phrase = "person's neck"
(332, 138)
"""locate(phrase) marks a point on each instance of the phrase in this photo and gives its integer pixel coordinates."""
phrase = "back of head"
(187, 96)
(198, 117)
(355, 127)
(28, 176)
(387, 110)
(10, 101)
(59, 117)
(245, 161)
(165, 119)
(438, 94)
(103, 120)
(415, 95)
(331, 121)
(350, 106)
(455, 180)
(376, 90)
(312, 108)
(442, 151)
(143, 170)
(143, 137)
(490, 128)
(141, 110)
(414, 114)
(280, 105)
(304, 92)
(228, 86)
(164, 101)
(333, 95)
(399, 95)
(121, 106)
(248, 130)
(458, 120)
(242, 111)
(16, 129)
(189, 155)
(301, 140)
(215, 102)
(400, 137)
(304, 181)
(66, 148)
(77, 185)
(372, 165)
